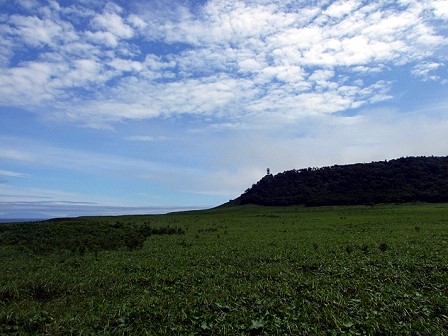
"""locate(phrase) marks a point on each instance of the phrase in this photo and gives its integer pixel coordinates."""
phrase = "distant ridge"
(410, 179)
(16, 220)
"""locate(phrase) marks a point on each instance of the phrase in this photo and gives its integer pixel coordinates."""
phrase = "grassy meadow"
(246, 270)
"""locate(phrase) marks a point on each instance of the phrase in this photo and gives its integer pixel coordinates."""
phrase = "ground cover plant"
(246, 270)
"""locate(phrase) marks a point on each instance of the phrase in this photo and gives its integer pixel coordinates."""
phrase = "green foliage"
(248, 270)
(412, 179)
(79, 236)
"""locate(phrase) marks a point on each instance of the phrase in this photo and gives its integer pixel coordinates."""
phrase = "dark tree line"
(79, 236)
(411, 179)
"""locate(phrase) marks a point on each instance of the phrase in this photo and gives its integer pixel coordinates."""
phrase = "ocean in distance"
(16, 220)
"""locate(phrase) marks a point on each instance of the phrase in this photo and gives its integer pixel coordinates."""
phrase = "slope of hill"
(411, 179)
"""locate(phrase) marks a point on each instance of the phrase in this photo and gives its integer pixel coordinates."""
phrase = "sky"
(142, 106)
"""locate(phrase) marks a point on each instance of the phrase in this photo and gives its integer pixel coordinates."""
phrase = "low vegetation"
(79, 236)
(249, 270)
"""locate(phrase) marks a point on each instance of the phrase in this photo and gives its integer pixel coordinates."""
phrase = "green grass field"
(248, 270)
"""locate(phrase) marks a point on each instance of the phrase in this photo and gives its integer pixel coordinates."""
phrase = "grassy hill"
(243, 270)
(411, 179)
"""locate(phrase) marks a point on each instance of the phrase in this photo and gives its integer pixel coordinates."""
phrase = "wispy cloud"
(12, 174)
(47, 203)
(146, 138)
(238, 58)
(45, 210)
(425, 70)
(46, 155)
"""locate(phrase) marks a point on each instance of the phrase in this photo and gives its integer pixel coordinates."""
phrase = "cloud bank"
(233, 60)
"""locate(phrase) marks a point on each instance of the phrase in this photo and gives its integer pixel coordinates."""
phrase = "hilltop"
(410, 179)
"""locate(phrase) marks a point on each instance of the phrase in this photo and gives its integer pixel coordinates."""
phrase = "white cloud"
(125, 65)
(425, 70)
(303, 38)
(340, 8)
(28, 4)
(80, 73)
(38, 32)
(113, 23)
(103, 37)
(441, 9)
(29, 153)
(235, 60)
(9, 173)
(146, 138)
(16, 155)
(5, 51)
(250, 65)
(25, 85)
(136, 21)
(321, 77)
(60, 203)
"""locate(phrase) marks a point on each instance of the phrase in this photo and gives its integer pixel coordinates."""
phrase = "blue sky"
(151, 106)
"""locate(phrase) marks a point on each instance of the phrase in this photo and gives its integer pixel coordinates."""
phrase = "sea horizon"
(17, 220)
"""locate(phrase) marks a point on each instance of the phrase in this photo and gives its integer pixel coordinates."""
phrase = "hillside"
(411, 179)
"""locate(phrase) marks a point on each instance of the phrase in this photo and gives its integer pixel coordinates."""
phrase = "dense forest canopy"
(411, 179)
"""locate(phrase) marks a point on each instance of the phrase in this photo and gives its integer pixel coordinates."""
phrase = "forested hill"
(410, 179)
